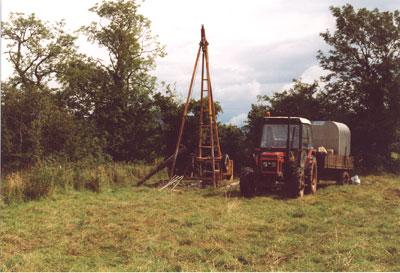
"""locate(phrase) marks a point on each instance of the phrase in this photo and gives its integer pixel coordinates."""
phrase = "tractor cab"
(284, 157)
(283, 138)
(283, 133)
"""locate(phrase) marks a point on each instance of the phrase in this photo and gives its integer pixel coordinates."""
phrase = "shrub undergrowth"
(45, 178)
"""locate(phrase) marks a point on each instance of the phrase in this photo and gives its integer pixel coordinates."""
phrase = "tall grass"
(341, 228)
(48, 177)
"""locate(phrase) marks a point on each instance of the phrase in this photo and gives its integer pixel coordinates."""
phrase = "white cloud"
(313, 73)
(238, 120)
(256, 47)
(238, 92)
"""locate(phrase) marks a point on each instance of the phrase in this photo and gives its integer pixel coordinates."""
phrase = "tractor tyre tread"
(246, 183)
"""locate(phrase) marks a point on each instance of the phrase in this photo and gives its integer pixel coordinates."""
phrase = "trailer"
(332, 141)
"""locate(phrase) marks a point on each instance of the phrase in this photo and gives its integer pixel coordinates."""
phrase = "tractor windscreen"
(275, 136)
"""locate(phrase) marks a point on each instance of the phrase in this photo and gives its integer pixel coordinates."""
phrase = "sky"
(256, 47)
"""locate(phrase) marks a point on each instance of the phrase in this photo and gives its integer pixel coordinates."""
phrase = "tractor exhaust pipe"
(288, 139)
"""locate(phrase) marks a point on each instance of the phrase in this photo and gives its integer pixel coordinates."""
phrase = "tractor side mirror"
(255, 158)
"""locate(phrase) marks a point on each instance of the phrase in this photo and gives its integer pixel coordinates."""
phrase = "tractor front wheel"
(299, 183)
(294, 184)
(312, 179)
(247, 182)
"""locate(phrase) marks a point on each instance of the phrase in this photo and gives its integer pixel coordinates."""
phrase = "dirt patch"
(392, 193)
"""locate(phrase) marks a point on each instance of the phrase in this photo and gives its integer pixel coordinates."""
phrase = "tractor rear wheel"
(247, 182)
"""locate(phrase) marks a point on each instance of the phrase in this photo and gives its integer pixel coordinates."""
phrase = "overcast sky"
(256, 47)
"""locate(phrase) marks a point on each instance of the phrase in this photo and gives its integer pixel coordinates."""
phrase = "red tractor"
(287, 159)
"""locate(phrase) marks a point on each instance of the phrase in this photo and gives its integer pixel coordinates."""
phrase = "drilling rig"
(207, 163)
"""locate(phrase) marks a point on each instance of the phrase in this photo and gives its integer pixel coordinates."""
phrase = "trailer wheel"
(312, 179)
(344, 178)
(247, 183)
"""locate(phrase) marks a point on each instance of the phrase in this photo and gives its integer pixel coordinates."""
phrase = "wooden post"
(159, 167)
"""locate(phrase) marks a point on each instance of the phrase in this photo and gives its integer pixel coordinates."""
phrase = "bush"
(97, 178)
(49, 176)
(64, 178)
(13, 188)
(119, 175)
(103, 176)
(86, 179)
(140, 169)
(40, 182)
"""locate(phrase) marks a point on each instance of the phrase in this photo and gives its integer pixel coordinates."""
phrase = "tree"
(364, 78)
(83, 84)
(169, 111)
(37, 53)
(253, 126)
(233, 143)
(302, 100)
(123, 107)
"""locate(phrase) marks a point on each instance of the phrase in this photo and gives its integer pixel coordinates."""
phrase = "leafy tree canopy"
(36, 50)
(364, 78)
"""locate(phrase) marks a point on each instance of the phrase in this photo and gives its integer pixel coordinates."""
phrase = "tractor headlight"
(269, 164)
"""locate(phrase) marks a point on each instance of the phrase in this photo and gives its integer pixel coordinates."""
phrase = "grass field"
(341, 228)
